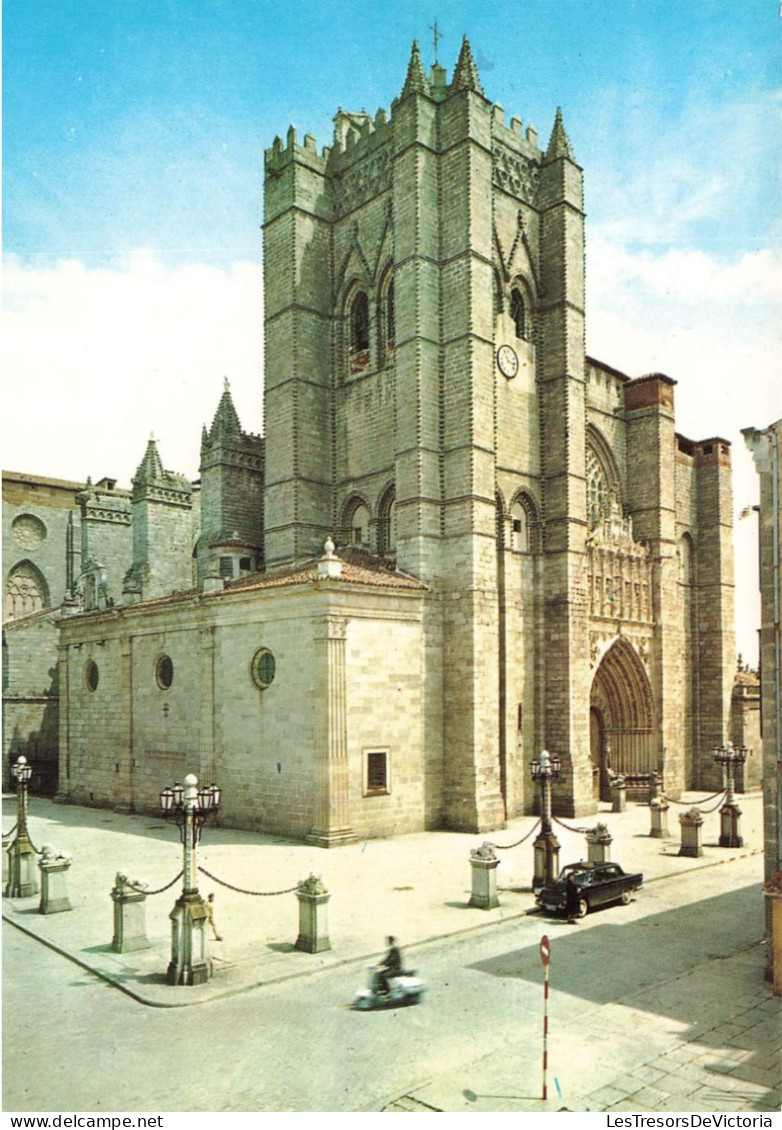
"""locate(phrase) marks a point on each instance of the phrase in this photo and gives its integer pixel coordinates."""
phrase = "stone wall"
(41, 529)
(259, 744)
(30, 699)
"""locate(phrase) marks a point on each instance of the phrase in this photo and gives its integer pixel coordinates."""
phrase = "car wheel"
(583, 907)
(626, 896)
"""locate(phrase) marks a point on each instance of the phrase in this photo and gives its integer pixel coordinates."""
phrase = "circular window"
(91, 675)
(164, 672)
(263, 668)
(28, 531)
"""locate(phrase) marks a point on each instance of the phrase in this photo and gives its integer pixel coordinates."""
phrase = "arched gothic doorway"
(621, 717)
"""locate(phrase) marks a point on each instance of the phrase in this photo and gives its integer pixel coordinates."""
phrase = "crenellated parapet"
(98, 505)
(358, 163)
(516, 156)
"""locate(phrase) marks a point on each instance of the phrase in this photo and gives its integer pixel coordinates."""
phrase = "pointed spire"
(150, 466)
(226, 421)
(416, 79)
(465, 75)
(559, 143)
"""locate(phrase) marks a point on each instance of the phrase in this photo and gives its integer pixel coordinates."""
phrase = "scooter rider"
(391, 965)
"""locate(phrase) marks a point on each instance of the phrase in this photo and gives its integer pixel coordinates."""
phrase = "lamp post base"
(22, 882)
(730, 815)
(190, 961)
(546, 855)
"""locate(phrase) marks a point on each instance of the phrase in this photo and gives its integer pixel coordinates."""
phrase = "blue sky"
(133, 140)
(142, 123)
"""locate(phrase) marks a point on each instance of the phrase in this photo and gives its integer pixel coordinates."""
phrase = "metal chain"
(582, 831)
(159, 891)
(241, 890)
(716, 806)
(684, 803)
(506, 847)
(10, 831)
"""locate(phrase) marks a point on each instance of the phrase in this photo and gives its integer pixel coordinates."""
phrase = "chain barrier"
(698, 803)
(562, 824)
(716, 806)
(507, 847)
(10, 832)
(159, 891)
(242, 891)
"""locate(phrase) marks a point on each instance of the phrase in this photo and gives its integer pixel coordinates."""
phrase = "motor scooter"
(403, 989)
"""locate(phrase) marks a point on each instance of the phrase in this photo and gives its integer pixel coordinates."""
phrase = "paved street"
(657, 1006)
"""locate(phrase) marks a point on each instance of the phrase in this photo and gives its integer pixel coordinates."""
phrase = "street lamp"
(546, 847)
(729, 756)
(190, 807)
(21, 854)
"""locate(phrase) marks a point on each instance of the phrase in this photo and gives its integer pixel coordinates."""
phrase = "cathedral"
(459, 542)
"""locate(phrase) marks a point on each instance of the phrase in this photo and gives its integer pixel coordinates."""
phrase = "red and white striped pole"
(545, 957)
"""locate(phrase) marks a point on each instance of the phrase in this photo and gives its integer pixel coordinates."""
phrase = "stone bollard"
(484, 862)
(618, 794)
(313, 915)
(130, 914)
(658, 807)
(599, 840)
(54, 890)
(655, 787)
(691, 823)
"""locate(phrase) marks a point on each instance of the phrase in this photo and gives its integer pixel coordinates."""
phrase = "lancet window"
(25, 591)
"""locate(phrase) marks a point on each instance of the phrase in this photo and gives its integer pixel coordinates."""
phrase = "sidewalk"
(633, 1055)
(708, 1039)
(416, 886)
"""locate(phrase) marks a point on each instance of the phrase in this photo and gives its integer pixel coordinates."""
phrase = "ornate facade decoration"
(28, 531)
(515, 173)
(620, 576)
(362, 181)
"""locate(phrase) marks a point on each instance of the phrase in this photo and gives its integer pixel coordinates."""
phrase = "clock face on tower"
(507, 361)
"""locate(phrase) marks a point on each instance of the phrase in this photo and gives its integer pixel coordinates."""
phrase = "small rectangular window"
(376, 772)
(245, 565)
(226, 567)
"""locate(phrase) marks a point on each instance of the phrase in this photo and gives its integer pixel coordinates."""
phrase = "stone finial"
(559, 143)
(485, 851)
(329, 565)
(465, 75)
(313, 884)
(415, 81)
(124, 885)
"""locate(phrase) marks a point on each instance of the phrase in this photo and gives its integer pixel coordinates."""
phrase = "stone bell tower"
(424, 314)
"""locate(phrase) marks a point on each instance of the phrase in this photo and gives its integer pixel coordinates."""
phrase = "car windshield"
(576, 869)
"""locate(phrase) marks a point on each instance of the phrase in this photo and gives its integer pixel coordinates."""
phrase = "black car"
(597, 883)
